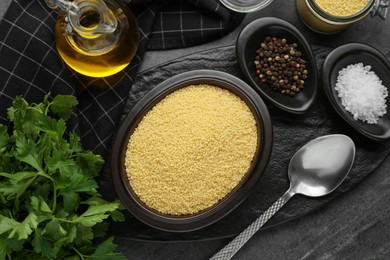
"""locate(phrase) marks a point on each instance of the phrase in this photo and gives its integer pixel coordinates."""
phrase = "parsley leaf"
(26, 151)
(3, 138)
(50, 207)
(62, 105)
(24, 229)
(105, 251)
(14, 185)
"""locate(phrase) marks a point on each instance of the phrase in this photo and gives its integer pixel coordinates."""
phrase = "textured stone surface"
(290, 133)
(353, 226)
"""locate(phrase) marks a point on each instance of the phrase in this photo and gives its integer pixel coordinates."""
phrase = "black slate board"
(290, 133)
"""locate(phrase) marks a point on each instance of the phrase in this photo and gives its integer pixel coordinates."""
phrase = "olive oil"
(94, 53)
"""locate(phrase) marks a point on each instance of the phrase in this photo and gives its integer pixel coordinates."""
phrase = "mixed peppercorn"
(281, 66)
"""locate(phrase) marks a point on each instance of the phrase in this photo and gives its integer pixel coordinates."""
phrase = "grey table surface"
(353, 226)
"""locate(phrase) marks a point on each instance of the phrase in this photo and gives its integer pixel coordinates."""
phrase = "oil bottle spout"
(62, 6)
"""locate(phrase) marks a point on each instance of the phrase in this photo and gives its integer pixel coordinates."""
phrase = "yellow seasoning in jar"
(332, 16)
(341, 7)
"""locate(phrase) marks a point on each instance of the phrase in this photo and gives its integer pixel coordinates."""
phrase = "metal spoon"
(316, 169)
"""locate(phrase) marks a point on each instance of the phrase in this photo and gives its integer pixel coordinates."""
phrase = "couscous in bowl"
(189, 192)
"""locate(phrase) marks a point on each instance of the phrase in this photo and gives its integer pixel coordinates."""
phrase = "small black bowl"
(249, 41)
(340, 58)
(232, 200)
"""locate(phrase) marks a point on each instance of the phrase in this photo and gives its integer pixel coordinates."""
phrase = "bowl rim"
(241, 45)
(231, 201)
(327, 68)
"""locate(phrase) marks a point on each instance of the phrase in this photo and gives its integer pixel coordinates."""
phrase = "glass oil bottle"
(96, 38)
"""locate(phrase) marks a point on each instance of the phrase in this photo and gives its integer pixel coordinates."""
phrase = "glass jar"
(320, 21)
(96, 38)
(245, 6)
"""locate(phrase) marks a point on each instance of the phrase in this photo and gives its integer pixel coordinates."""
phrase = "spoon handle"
(231, 249)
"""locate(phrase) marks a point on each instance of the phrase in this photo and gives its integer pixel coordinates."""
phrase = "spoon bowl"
(321, 165)
(316, 169)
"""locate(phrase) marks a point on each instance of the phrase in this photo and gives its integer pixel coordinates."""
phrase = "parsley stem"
(36, 109)
(79, 253)
(65, 220)
(54, 199)
(54, 189)
(47, 109)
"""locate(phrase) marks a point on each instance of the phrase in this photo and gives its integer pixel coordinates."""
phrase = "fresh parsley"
(49, 204)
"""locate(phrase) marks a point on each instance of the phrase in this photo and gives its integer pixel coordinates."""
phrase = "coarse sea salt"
(362, 93)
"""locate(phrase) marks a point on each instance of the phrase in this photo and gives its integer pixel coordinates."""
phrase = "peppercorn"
(280, 65)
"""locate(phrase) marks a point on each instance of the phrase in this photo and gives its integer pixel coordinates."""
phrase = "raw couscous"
(341, 7)
(191, 149)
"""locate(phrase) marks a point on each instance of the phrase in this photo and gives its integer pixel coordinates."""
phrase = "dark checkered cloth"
(30, 66)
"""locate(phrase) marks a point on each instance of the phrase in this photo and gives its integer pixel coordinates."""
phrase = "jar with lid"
(246, 6)
(328, 17)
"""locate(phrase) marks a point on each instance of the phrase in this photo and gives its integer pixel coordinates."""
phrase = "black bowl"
(249, 41)
(340, 58)
(232, 200)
